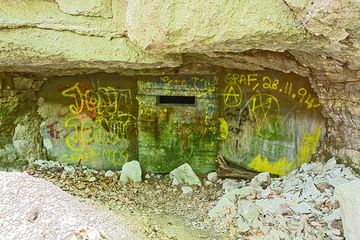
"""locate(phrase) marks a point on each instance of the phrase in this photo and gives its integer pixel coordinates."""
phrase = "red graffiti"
(52, 130)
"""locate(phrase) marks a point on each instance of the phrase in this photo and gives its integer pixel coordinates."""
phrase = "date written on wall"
(256, 82)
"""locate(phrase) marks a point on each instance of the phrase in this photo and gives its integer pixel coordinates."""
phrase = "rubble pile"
(301, 205)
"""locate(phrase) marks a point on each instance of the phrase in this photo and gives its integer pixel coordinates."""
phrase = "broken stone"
(109, 173)
(69, 169)
(184, 175)
(212, 177)
(262, 179)
(272, 206)
(331, 163)
(303, 208)
(223, 207)
(248, 210)
(349, 197)
(241, 193)
(230, 184)
(242, 225)
(322, 186)
(92, 179)
(208, 183)
(131, 171)
(187, 190)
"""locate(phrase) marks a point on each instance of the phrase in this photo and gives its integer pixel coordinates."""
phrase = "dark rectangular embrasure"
(178, 100)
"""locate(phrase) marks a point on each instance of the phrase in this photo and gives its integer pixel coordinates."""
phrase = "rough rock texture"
(32, 208)
(301, 205)
(94, 8)
(131, 171)
(318, 40)
(184, 175)
(40, 34)
(175, 26)
(348, 196)
(315, 39)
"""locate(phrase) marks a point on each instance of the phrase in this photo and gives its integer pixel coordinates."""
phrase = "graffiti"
(262, 118)
(283, 166)
(264, 108)
(223, 129)
(286, 88)
(53, 132)
(98, 118)
(210, 112)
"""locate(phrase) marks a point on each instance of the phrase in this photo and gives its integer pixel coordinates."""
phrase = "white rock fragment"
(187, 190)
(92, 179)
(298, 206)
(69, 169)
(109, 173)
(331, 163)
(272, 206)
(147, 176)
(131, 171)
(242, 225)
(348, 195)
(222, 208)
(230, 184)
(184, 175)
(248, 210)
(262, 179)
(212, 177)
(208, 183)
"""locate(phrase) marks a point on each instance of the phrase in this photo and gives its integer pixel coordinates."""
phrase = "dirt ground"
(154, 208)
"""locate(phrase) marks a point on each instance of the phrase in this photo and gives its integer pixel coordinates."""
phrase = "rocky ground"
(299, 206)
(34, 209)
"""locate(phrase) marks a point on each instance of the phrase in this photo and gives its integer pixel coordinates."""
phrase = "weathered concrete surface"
(349, 198)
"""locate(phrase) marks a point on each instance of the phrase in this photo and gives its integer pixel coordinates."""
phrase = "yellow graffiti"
(261, 106)
(283, 166)
(232, 95)
(97, 118)
(286, 88)
(223, 129)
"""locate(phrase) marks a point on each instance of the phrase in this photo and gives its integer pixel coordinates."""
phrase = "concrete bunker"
(263, 121)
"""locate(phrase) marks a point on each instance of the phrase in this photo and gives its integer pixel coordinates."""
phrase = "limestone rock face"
(95, 8)
(40, 34)
(179, 26)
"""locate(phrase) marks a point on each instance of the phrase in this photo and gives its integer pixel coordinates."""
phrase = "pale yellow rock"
(184, 26)
(47, 15)
(61, 48)
(97, 8)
